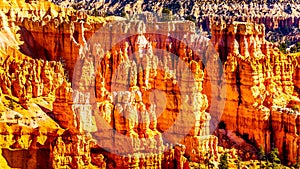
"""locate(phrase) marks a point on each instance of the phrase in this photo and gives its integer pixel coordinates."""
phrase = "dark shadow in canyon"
(31, 47)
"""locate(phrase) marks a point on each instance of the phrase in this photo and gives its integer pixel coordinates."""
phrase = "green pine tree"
(273, 157)
(224, 161)
(166, 14)
(282, 47)
(17, 117)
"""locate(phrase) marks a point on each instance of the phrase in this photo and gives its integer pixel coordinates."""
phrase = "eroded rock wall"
(258, 78)
(138, 92)
(51, 42)
(34, 130)
(137, 89)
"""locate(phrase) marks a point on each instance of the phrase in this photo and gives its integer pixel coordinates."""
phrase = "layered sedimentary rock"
(73, 150)
(31, 80)
(259, 82)
(147, 94)
(152, 88)
(285, 122)
(133, 113)
(281, 18)
(64, 28)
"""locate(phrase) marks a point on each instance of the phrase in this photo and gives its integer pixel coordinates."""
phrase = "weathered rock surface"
(260, 87)
(30, 82)
(141, 92)
(281, 18)
(139, 89)
(74, 112)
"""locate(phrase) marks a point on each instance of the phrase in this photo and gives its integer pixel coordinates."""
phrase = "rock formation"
(260, 87)
(33, 89)
(130, 113)
(138, 92)
(281, 18)
(149, 99)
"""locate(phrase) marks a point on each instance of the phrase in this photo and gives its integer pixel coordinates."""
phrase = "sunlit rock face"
(34, 130)
(66, 90)
(260, 87)
(140, 87)
(149, 87)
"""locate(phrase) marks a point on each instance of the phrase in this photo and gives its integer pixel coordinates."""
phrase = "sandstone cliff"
(38, 57)
(33, 87)
(64, 96)
(260, 87)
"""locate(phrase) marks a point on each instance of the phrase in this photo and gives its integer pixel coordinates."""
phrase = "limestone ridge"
(260, 87)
